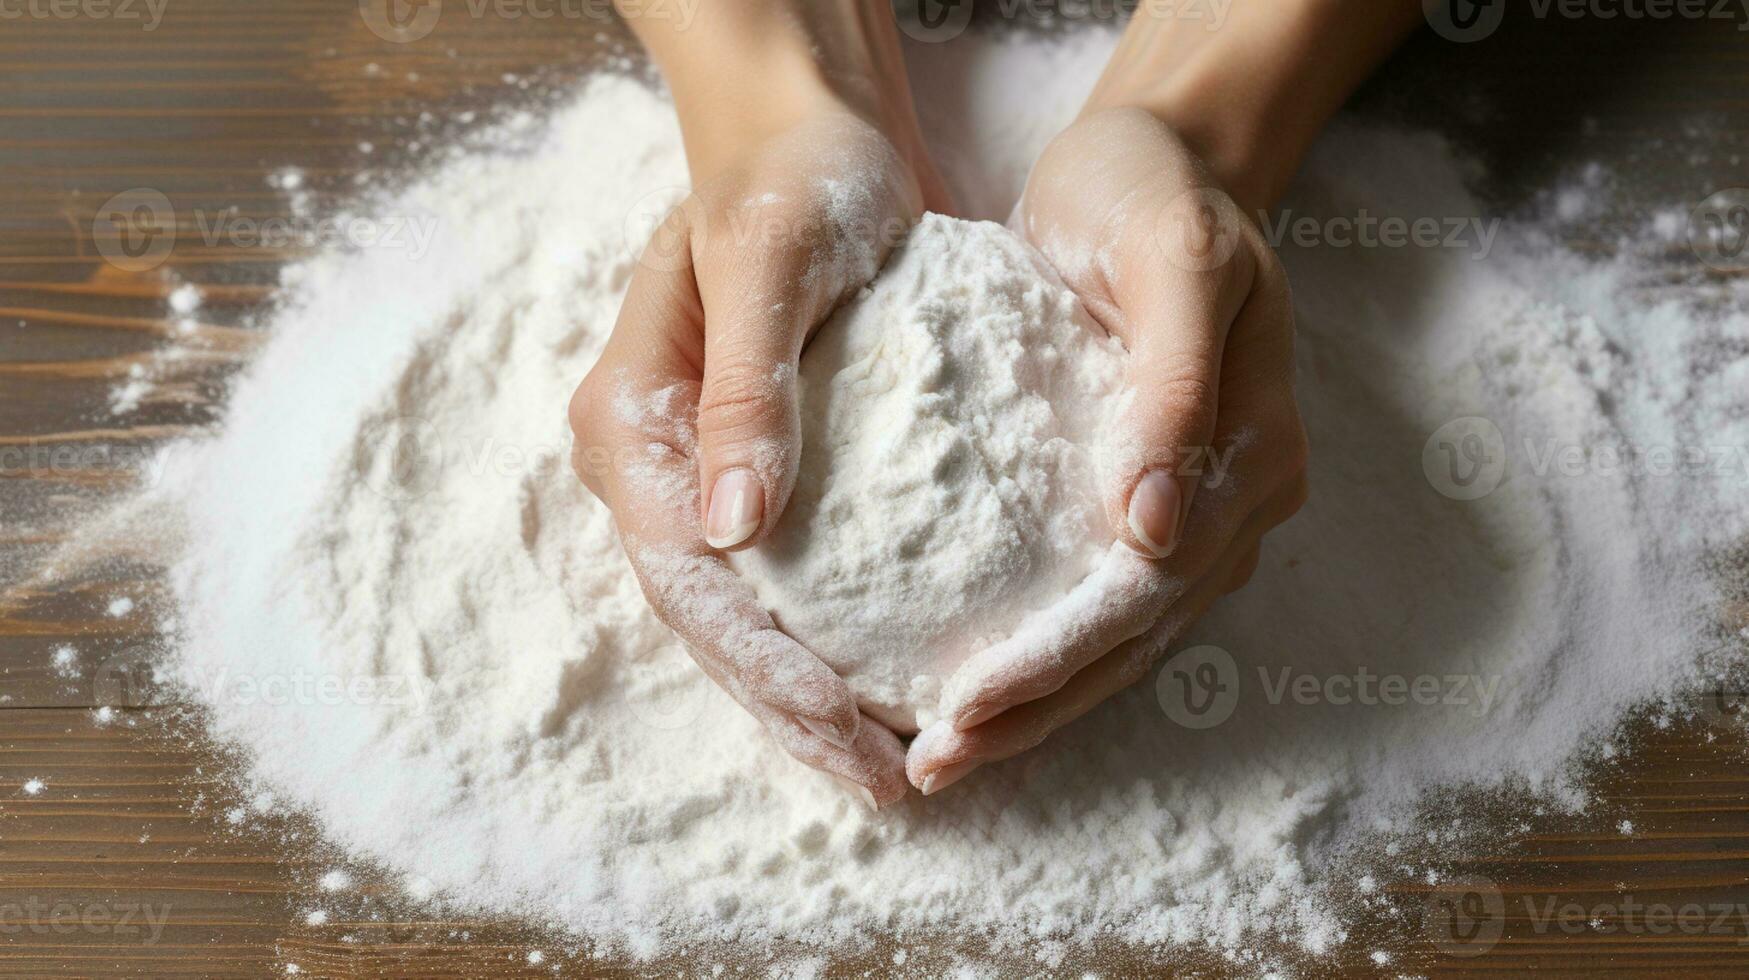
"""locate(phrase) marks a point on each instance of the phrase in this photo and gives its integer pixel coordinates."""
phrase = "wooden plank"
(137, 812)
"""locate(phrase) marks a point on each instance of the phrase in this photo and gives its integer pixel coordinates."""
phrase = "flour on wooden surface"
(386, 525)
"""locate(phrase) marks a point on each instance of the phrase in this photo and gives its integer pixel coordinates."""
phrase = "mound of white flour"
(950, 415)
(386, 523)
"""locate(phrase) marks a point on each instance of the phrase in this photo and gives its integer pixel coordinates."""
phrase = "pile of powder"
(947, 486)
(387, 513)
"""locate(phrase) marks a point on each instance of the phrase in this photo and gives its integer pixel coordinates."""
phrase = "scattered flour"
(388, 501)
(65, 661)
(950, 417)
(185, 299)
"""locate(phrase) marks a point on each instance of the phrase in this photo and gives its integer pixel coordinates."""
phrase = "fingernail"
(861, 792)
(1154, 512)
(737, 507)
(829, 732)
(977, 717)
(946, 776)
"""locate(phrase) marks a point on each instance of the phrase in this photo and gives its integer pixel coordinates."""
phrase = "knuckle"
(1186, 388)
(742, 398)
(1186, 399)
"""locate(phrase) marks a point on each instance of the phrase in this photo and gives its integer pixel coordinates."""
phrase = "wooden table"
(141, 817)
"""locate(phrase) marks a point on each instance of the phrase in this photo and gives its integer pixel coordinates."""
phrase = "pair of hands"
(687, 428)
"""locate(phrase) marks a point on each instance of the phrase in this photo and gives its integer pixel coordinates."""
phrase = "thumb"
(1177, 325)
(1171, 416)
(749, 422)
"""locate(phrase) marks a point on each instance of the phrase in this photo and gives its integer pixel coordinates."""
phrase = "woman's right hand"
(687, 428)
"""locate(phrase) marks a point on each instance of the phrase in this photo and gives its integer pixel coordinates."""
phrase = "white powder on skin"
(388, 502)
(947, 486)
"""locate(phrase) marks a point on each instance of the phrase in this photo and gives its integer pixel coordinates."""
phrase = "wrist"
(749, 71)
(1249, 93)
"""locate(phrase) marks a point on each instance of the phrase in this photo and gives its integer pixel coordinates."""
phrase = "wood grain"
(139, 815)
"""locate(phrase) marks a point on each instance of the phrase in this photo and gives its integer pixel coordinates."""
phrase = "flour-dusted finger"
(942, 755)
(872, 766)
(1120, 599)
(711, 608)
(1123, 597)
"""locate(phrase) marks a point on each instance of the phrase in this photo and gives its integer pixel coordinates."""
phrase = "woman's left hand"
(1211, 455)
